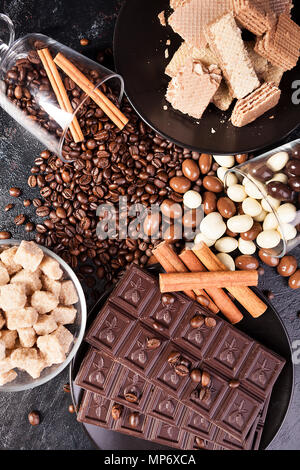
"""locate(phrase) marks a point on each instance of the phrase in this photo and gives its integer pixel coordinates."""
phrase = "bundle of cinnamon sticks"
(199, 273)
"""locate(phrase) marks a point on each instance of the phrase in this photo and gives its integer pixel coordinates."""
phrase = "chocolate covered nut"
(197, 321)
(261, 172)
(153, 343)
(294, 183)
(293, 167)
(190, 169)
(268, 259)
(241, 158)
(180, 184)
(294, 280)
(205, 379)
(205, 162)
(196, 375)
(246, 262)
(252, 234)
(213, 184)
(234, 383)
(280, 191)
(15, 192)
(172, 233)
(226, 207)
(116, 411)
(203, 300)
(209, 202)
(171, 209)
(287, 266)
(151, 224)
(190, 218)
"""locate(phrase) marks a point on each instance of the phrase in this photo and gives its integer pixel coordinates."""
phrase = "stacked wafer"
(248, 71)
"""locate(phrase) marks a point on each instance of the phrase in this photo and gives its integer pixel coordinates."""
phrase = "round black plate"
(268, 330)
(139, 48)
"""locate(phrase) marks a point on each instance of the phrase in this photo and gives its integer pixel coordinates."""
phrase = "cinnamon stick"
(60, 92)
(245, 296)
(219, 297)
(175, 282)
(171, 263)
(88, 87)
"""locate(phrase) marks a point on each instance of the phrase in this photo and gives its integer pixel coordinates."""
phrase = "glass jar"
(29, 96)
(273, 180)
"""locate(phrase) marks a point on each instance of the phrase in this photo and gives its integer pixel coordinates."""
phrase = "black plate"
(268, 330)
(139, 49)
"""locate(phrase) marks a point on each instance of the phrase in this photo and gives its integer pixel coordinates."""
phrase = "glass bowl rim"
(60, 367)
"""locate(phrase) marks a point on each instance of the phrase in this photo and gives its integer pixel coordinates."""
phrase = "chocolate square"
(131, 385)
(109, 329)
(228, 352)
(165, 407)
(142, 429)
(196, 424)
(95, 410)
(196, 340)
(97, 372)
(135, 352)
(209, 404)
(238, 413)
(168, 435)
(165, 317)
(134, 291)
(261, 371)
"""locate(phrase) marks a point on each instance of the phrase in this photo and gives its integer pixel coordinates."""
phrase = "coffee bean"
(71, 409)
(116, 411)
(202, 300)
(174, 358)
(210, 322)
(15, 192)
(131, 397)
(181, 370)
(84, 42)
(8, 207)
(32, 181)
(27, 203)
(269, 294)
(5, 235)
(153, 343)
(205, 379)
(19, 219)
(287, 266)
(34, 418)
(234, 383)
(29, 227)
(134, 420)
(196, 375)
(66, 388)
(200, 443)
(42, 211)
(197, 321)
(167, 299)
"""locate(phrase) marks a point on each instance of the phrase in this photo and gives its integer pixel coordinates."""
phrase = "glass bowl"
(24, 381)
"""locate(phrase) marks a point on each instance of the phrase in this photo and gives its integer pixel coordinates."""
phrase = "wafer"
(281, 45)
(162, 18)
(177, 3)
(225, 40)
(273, 74)
(255, 105)
(193, 88)
(183, 53)
(259, 63)
(281, 6)
(190, 19)
(223, 97)
(252, 17)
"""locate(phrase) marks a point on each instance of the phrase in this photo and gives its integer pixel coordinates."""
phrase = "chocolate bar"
(133, 392)
(135, 314)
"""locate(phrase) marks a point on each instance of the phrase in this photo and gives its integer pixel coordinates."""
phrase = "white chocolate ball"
(236, 193)
(260, 217)
(268, 239)
(278, 161)
(200, 237)
(287, 231)
(213, 226)
(251, 207)
(225, 160)
(240, 223)
(281, 177)
(286, 213)
(246, 247)
(270, 222)
(226, 244)
(192, 199)
(227, 260)
(254, 189)
(269, 203)
(230, 179)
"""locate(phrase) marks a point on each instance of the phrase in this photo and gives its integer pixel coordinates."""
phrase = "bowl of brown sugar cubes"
(42, 315)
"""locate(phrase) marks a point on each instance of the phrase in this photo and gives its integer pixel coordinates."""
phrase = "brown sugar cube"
(21, 318)
(7, 377)
(43, 301)
(64, 336)
(51, 268)
(7, 258)
(51, 349)
(45, 325)
(12, 296)
(51, 286)
(4, 276)
(9, 338)
(30, 280)
(28, 359)
(68, 293)
(27, 337)
(2, 321)
(29, 255)
(64, 315)
(2, 349)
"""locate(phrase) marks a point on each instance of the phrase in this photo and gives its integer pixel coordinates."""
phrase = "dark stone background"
(68, 21)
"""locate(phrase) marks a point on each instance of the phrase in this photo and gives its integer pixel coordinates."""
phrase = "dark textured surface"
(93, 19)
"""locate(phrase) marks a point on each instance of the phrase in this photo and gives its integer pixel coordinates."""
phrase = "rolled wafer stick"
(60, 92)
(89, 88)
(219, 297)
(171, 263)
(175, 282)
(243, 295)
